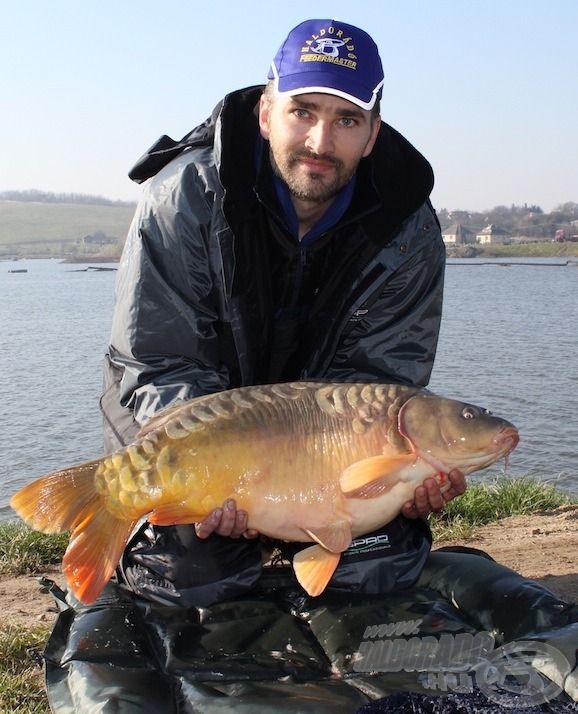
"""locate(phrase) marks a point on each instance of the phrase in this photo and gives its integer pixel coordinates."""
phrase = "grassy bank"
(23, 551)
(562, 251)
(492, 500)
(21, 674)
(33, 224)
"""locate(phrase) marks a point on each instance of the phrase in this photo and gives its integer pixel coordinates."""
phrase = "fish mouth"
(506, 441)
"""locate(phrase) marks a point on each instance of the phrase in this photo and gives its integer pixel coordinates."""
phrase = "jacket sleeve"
(392, 333)
(167, 329)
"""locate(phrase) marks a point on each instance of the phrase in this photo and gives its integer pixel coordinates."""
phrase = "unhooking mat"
(470, 636)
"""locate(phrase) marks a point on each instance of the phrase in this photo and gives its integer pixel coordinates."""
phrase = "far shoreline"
(562, 251)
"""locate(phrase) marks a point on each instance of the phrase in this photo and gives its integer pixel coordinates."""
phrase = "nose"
(320, 138)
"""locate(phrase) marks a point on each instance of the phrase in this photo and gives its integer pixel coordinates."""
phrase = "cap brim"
(325, 83)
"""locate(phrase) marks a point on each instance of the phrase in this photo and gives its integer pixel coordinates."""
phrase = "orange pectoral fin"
(314, 567)
(372, 477)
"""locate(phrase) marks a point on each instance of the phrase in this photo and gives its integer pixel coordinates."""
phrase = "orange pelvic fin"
(314, 567)
(335, 537)
(172, 514)
(373, 476)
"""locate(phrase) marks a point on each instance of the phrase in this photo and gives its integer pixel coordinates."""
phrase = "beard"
(306, 185)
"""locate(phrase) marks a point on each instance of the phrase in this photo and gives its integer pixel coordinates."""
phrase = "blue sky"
(486, 89)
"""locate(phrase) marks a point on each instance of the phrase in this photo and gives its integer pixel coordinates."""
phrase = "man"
(288, 237)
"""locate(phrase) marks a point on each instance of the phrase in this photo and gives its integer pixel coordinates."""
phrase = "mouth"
(506, 440)
(316, 164)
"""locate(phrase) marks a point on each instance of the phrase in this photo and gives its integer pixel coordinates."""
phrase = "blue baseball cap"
(330, 57)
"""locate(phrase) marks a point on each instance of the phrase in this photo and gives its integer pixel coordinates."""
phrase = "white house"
(458, 235)
(493, 234)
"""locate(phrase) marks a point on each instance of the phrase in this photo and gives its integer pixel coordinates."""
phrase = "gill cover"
(454, 434)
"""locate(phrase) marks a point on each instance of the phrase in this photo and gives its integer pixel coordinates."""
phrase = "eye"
(348, 121)
(468, 413)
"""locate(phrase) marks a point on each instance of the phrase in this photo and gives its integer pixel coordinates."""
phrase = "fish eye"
(468, 413)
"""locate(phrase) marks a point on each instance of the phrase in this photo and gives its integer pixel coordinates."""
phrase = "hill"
(37, 224)
(62, 229)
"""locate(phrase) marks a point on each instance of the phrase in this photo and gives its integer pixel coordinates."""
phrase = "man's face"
(317, 141)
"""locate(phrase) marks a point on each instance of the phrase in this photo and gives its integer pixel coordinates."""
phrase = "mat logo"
(408, 627)
(520, 673)
(456, 653)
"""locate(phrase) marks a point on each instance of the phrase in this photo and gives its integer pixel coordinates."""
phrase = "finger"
(420, 507)
(240, 525)
(409, 510)
(458, 482)
(435, 498)
(226, 526)
(209, 524)
(250, 534)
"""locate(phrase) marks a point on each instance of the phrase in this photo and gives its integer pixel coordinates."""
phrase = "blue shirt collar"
(327, 220)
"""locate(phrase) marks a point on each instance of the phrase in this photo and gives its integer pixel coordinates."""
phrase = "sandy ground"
(542, 547)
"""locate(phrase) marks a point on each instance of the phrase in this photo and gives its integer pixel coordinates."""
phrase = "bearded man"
(290, 236)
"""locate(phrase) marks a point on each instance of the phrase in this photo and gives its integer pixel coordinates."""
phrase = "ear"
(375, 124)
(264, 112)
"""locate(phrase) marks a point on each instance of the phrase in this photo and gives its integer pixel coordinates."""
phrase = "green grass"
(56, 230)
(527, 250)
(22, 222)
(489, 501)
(21, 672)
(24, 551)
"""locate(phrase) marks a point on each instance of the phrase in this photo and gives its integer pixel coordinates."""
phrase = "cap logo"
(327, 47)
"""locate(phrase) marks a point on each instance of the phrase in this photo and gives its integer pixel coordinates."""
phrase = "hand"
(428, 497)
(226, 521)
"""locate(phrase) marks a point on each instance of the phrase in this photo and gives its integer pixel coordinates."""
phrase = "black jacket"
(195, 314)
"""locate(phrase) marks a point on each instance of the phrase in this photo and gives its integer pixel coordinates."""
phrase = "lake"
(509, 342)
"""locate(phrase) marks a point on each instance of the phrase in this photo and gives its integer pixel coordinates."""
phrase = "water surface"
(509, 342)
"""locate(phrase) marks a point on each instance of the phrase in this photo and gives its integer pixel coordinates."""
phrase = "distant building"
(99, 239)
(494, 234)
(458, 235)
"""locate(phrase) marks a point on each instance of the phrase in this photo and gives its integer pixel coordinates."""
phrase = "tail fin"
(93, 553)
(56, 503)
(68, 500)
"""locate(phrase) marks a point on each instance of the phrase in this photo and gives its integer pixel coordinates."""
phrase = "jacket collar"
(399, 177)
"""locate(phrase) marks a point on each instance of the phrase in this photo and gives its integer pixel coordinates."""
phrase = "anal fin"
(314, 567)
